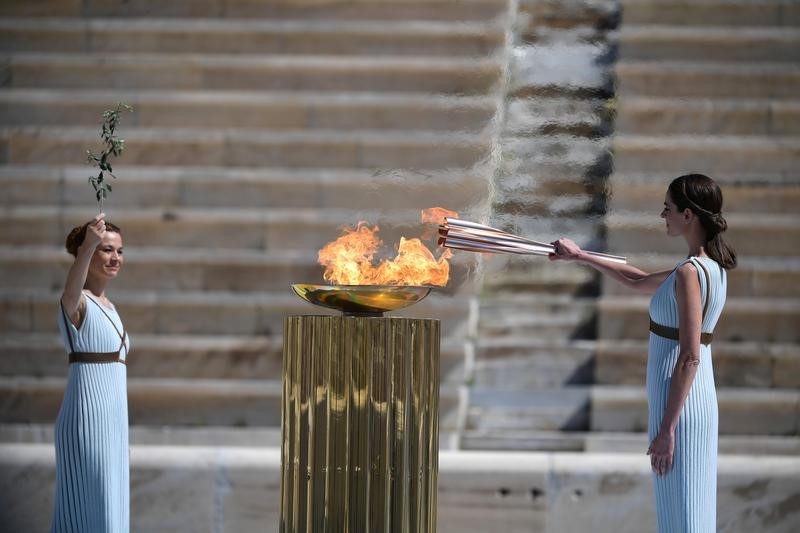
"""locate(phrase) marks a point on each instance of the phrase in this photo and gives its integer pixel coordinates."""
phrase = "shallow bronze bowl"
(361, 300)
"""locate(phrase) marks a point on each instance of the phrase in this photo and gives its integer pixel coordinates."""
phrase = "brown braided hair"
(78, 235)
(702, 195)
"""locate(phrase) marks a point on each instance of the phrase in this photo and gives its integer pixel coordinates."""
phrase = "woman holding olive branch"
(91, 432)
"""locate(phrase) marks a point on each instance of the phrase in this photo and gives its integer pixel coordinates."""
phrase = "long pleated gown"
(91, 433)
(686, 497)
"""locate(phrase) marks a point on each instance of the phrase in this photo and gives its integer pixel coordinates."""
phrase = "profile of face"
(107, 259)
(677, 220)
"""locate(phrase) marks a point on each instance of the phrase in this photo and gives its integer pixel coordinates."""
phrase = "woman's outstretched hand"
(564, 249)
(661, 452)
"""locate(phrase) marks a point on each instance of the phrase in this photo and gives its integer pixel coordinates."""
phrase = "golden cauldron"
(360, 420)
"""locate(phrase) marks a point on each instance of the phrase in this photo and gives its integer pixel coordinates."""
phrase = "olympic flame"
(350, 259)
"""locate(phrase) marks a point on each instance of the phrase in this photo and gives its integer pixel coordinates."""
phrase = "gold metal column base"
(360, 424)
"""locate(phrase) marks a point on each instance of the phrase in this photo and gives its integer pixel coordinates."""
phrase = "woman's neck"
(95, 286)
(696, 241)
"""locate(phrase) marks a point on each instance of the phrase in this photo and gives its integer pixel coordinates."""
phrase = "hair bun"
(76, 238)
(719, 223)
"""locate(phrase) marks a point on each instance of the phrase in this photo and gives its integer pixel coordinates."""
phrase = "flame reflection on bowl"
(363, 300)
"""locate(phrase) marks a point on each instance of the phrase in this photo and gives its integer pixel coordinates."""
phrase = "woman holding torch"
(91, 433)
(685, 306)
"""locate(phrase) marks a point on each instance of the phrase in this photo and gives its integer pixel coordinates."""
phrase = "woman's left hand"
(661, 452)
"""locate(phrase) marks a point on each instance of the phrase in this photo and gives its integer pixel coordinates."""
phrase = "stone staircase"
(534, 364)
(260, 129)
(711, 87)
(708, 86)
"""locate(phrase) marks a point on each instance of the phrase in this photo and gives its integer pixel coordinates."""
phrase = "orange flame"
(349, 259)
(436, 215)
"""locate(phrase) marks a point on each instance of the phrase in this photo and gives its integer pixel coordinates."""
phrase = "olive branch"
(113, 148)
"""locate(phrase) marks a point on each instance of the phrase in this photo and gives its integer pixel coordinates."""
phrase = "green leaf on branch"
(113, 147)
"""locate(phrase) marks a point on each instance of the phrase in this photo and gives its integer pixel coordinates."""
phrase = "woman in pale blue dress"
(686, 304)
(91, 433)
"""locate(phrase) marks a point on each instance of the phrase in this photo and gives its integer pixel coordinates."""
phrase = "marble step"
(270, 229)
(741, 411)
(407, 10)
(508, 274)
(199, 356)
(712, 12)
(250, 188)
(598, 442)
(630, 232)
(254, 314)
(244, 437)
(694, 79)
(662, 116)
(758, 277)
(531, 440)
(173, 402)
(715, 154)
(536, 315)
(743, 319)
(249, 36)
(541, 409)
(197, 269)
(743, 364)
(661, 41)
(245, 147)
(479, 491)
(743, 193)
(278, 110)
(522, 362)
(529, 361)
(252, 72)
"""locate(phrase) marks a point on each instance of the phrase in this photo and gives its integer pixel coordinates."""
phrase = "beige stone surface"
(45, 8)
(723, 44)
(741, 411)
(190, 71)
(708, 79)
(194, 489)
(707, 13)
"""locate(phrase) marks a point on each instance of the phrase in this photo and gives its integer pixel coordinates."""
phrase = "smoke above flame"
(350, 259)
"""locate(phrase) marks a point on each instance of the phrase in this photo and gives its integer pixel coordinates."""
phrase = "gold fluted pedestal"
(360, 424)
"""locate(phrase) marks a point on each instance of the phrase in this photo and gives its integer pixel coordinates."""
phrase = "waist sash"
(672, 333)
(93, 357)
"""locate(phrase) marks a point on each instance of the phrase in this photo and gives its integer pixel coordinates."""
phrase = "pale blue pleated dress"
(686, 497)
(91, 433)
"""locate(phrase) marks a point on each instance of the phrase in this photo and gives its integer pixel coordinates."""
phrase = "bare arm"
(72, 297)
(690, 313)
(628, 275)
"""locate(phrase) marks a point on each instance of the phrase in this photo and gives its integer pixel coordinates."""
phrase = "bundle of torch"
(474, 237)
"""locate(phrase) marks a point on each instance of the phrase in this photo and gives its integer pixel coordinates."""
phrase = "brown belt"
(90, 357)
(672, 333)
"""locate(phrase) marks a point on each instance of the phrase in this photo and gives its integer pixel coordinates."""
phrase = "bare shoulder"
(686, 270)
(686, 277)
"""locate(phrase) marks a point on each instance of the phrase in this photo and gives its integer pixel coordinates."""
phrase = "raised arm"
(71, 299)
(690, 316)
(628, 275)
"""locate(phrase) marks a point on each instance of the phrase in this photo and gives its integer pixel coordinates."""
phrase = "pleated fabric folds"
(91, 432)
(686, 497)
